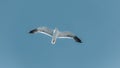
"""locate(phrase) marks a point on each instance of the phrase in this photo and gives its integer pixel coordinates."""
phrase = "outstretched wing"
(43, 30)
(69, 35)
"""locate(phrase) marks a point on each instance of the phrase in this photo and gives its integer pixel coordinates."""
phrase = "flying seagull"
(55, 34)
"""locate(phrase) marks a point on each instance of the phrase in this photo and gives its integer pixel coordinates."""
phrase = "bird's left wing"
(43, 30)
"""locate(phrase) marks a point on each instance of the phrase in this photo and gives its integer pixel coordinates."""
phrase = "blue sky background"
(96, 22)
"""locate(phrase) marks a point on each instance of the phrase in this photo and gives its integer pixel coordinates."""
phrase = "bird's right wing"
(43, 30)
(65, 35)
(69, 35)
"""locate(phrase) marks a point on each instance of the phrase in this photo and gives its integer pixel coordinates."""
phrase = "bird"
(55, 34)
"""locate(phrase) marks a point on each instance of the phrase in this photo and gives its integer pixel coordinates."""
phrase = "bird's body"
(55, 34)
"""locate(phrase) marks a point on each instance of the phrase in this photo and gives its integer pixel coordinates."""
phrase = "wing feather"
(69, 35)
(65, 35)
(43, 30)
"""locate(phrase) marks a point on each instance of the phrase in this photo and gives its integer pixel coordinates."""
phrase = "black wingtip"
(33, 31)
(77, 39)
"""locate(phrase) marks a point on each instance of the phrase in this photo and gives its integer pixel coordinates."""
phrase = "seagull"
(55, 34)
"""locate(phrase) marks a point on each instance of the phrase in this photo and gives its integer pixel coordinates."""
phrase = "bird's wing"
(69, 35)
(43, 30)
(65, 35)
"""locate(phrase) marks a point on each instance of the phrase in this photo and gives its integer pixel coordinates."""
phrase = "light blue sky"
(96, 22)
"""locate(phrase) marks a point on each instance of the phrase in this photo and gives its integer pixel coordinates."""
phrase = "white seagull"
(55, 34)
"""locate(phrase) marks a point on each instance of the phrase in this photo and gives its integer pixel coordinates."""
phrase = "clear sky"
(96, 22)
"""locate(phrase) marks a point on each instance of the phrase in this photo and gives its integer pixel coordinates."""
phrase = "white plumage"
(55, 34)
